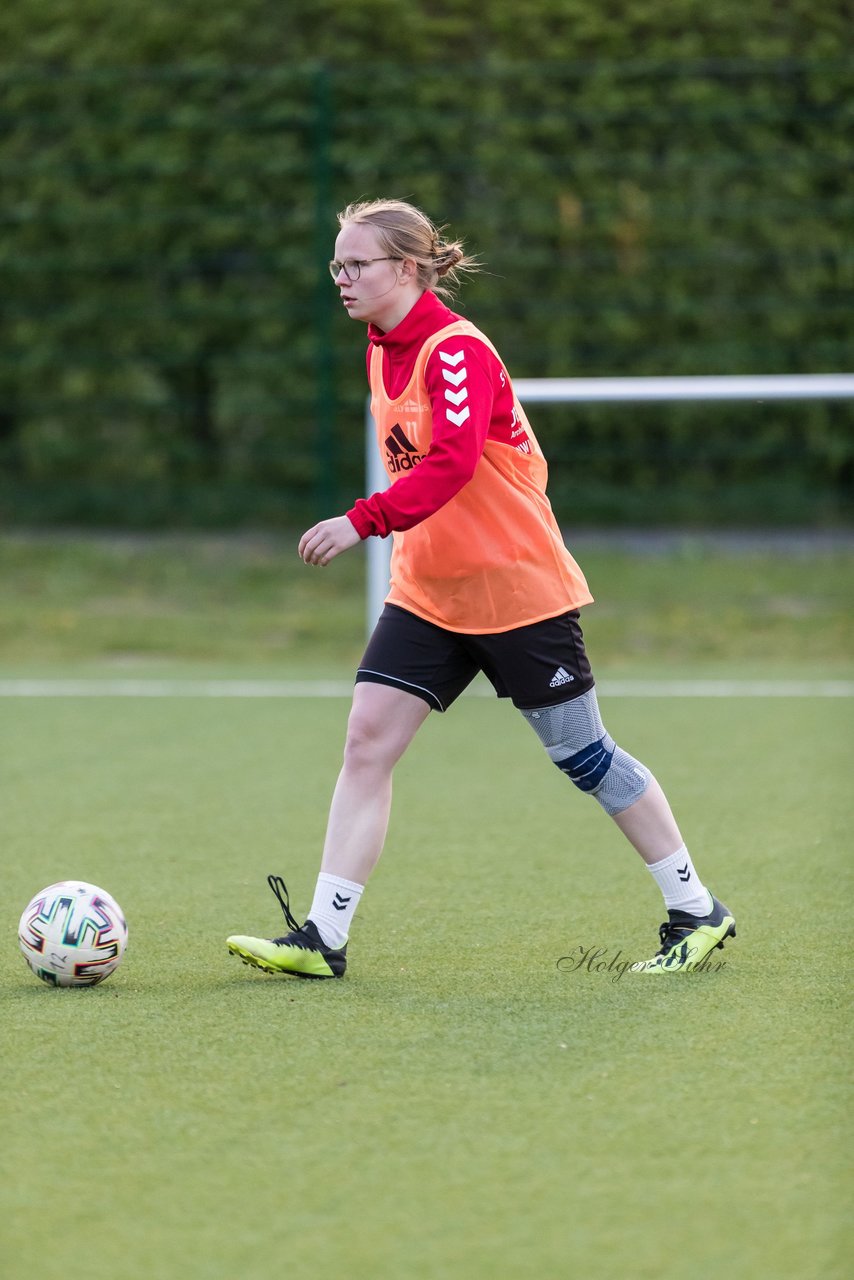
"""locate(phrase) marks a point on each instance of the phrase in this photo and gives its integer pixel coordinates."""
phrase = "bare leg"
(650, 826)
(383, 721)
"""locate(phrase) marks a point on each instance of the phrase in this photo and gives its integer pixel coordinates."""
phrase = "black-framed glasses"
(352, 267)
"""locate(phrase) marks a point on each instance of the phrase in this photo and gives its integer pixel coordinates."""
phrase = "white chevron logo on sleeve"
(454, 378)
(457, 397)
(458, 418)
(451, 360)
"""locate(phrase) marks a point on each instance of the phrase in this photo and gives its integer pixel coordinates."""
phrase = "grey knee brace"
(575, 739)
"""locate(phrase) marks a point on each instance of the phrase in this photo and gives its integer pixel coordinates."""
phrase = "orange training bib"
(492, 558)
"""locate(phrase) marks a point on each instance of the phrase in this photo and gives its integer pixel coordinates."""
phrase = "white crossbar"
(783, 386)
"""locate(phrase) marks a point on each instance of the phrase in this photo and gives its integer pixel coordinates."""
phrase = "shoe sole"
(258, 962)
(703, 942)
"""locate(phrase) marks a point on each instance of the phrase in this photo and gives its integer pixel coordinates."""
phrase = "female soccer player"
(480, 581)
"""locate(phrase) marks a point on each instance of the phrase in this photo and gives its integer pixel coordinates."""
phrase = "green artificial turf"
(459, 1106)
(126, 604)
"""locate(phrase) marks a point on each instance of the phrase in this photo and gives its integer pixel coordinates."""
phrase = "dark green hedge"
(653, 189)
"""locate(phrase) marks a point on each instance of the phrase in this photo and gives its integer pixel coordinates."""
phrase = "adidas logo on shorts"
(560, 677)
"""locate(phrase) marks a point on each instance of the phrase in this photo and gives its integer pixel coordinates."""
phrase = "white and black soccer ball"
(73, 934)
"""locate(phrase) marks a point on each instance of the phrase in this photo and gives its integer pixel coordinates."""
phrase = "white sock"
(682, 888)
(333, 908)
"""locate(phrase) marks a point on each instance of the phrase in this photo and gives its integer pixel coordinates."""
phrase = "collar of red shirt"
(427, 316)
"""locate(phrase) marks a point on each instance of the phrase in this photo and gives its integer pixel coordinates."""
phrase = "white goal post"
(758, 387)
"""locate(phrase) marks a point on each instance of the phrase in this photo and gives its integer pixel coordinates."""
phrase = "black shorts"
(537, 666)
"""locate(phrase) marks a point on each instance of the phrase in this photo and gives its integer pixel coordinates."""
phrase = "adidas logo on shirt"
(560, 677)
(402, 454)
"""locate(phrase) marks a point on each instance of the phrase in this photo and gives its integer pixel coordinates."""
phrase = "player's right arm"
(452, 457)
(326, 540)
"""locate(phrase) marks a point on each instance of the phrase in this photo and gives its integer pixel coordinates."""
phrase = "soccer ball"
(73, 934)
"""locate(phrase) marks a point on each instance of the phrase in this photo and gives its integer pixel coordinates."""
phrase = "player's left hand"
(324, 541)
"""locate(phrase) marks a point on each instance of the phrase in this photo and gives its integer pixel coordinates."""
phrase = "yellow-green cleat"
(687, 940)
(302, 952)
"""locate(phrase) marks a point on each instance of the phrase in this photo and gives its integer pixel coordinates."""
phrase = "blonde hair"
(406, 232)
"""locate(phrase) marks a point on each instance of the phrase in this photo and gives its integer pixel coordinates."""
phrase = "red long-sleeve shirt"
(456, 445)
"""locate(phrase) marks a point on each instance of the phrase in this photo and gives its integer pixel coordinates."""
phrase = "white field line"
(109, 688)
